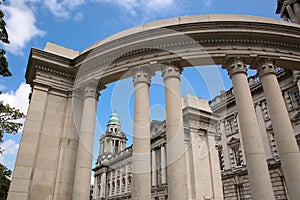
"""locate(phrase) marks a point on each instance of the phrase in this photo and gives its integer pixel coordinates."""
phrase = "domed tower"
(114, 140)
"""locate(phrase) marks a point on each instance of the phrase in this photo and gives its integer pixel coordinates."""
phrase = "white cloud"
(144, 8)
(60, 9)
(10, 147)
(20, 26)
(18, 99)
(207, 3)
(8, 157)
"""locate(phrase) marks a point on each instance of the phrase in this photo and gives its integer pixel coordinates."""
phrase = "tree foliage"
(5, 175)
(8, 120)
(4, 71)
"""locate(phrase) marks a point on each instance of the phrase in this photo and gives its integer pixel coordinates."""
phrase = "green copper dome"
(114, 120)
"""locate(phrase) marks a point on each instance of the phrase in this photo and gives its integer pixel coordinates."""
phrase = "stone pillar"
(177, 181)
(141, 158)
(126, 179)
(260, 183)
(225, 150)
(296, 74)
(111, 184)
(284, 133)
(81, 190)
(215, 172)
(154, 177)
(163, 165)
(95, 190)
(103, 185)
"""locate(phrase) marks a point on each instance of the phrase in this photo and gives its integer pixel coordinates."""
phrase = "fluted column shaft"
(176, 163)
(259, 178)
(82, 179)
(141, 158)
(284, 133)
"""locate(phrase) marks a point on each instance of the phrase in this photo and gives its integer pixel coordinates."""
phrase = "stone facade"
(230, 145)
(55, 155)
(113, 171)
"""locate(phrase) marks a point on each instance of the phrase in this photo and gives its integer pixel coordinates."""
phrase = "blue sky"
(77, 24)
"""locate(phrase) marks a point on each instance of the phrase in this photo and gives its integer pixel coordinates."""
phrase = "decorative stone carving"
(265, 66)
(142, 74)
(235, 65)
(289, 10)
(171, 69)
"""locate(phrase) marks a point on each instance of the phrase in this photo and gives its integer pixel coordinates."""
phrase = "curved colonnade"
(232, 41)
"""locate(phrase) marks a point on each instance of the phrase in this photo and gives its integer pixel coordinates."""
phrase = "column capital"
(235, 65)
(171, 69)
(142, 74)
(265, 66)
(90, 90)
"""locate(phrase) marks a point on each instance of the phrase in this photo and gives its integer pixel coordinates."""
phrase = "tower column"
(259, 178)
(81, 190)
(163, 165)
(126, 179)
(141, 158)
(177, 181)
(284, 133)
(154, 177)
(103, 185)
(95, 190)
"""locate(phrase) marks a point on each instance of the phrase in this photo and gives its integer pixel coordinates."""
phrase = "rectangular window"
(240, 192)
(295, 97)
(237, 156)
(231, 126)
(221, 159)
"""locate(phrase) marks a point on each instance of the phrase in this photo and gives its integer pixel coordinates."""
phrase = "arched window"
(113, 189)
(118, 186)
(123, 185)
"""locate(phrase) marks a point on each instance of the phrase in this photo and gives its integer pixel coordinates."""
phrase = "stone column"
(126, 179)
(81, 190)
(103, 185)
(177, 181)
(259, 178)
(225, 147)
(284, 133)
(141, 158)
(95, 191)
(296, 74)
(154, 177)
(163, 165)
